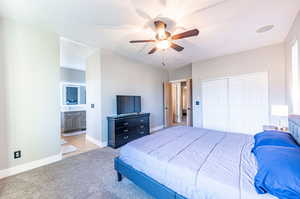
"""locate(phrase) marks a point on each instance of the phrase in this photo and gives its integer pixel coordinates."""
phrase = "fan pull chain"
(163, 58)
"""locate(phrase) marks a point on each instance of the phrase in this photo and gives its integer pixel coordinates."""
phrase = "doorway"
(75, 137)
(178, 103)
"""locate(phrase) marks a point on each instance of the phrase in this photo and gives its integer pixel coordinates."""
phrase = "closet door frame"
(266, 73)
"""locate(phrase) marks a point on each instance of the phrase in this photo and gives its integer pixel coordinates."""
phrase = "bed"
(191, 163)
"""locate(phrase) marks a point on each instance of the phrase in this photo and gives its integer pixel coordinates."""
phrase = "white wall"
(183, 72)
(29, 87)
(72, 75)
(121, 76)
(269, 59)
(293, 35)
(93, 96)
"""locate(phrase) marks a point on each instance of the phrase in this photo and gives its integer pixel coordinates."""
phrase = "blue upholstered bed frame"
(160, 191)
(145, 182)
(294, 127)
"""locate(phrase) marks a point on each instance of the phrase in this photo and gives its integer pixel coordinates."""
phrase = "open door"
(189, 99)
(167, 104)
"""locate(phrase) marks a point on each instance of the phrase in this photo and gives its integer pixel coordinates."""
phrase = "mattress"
(197, 163)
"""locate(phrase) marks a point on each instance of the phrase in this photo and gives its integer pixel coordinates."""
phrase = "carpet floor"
(89, 175)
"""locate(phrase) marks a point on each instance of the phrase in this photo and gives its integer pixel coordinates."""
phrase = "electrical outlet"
(92, 105)
(17, 154)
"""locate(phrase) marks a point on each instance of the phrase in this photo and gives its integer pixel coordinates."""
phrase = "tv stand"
(125, 128)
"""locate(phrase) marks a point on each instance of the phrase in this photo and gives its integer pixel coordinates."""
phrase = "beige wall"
(183, 72)
(269, 59)
(293, 35)
(121, 76)
(29, 89)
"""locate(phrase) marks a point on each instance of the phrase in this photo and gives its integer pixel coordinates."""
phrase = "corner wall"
(121, 76)
(294, 35)
(183, 72)
(29, 89)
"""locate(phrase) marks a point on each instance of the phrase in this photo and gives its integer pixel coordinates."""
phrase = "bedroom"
(244, 68)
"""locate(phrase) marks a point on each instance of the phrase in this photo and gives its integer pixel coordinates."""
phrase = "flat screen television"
(128, 104)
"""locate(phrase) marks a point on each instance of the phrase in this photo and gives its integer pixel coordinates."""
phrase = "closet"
(236, 104)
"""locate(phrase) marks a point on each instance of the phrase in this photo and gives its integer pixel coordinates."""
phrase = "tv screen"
(128, 104)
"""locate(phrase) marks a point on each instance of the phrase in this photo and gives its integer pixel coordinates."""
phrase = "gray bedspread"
(197, 163)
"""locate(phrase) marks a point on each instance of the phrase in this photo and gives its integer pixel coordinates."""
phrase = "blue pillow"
(278, 171)
(274, 138)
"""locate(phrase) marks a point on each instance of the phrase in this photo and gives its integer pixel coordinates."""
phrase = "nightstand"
(275, 128)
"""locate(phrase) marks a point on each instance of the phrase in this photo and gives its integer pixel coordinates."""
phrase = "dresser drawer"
(143, 120)
(125, 123)
(122, 130)
(123, 139)
(140, 133)
(132, 122)
(142, 127)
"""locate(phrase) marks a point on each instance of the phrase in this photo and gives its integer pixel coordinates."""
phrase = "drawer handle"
(125, 137)
(142, 132)
(125, 124)
(142, 120)
(142, 127)
(125, 130)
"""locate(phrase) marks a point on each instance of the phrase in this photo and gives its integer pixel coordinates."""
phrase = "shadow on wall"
(4, 160)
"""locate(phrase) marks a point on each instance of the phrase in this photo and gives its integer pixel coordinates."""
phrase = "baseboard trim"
(156, 128)
(73, 133)
(96, 142)
(105, 144)
(29, 166)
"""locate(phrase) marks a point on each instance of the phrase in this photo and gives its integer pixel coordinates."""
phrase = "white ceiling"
(228, 27)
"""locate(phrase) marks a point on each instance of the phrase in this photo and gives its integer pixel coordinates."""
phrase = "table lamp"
(281, 111)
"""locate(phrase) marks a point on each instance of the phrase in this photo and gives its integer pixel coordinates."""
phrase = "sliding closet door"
(248, 103)
(215, 104)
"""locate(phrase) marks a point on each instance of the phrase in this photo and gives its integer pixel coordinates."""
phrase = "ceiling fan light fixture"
(164, 40)
(163, 45)
(161, 33)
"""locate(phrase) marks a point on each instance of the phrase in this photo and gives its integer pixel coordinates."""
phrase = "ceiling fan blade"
(141, 41)
(204, 9)
(143, 14)
(176, 47)
(190, 33)
(117, 27)
(153, 50)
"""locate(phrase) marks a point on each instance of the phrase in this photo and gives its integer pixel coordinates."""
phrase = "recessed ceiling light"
(265, 29)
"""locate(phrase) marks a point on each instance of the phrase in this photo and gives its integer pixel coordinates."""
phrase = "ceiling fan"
(164, 40)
